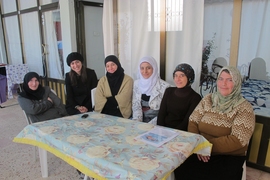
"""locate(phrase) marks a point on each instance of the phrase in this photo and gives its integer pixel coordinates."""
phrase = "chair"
(218, 63)
(244, 175)
(257, 69)
(93, 92)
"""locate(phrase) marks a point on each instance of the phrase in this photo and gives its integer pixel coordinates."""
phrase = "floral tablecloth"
(104, 147)
(15, 75)
(257, 92)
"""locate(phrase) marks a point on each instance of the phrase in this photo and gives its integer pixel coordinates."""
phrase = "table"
(103, 146)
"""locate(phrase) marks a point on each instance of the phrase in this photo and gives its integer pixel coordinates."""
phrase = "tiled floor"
(255, 174)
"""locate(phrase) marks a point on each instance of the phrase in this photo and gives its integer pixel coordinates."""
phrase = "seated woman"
(38, 102)
(180, 101)
(148, 91)
(114, 91)
(227, 121)
(79, 83)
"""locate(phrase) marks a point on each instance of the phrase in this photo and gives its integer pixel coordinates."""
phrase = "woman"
(79, 83)
(148, 91)
(227, 121)
(114, 91)
(38, 102)
(179, 102)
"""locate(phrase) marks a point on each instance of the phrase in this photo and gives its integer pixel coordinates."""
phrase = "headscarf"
(146, 85)
(187, 70)
(74, 56)
(115, 79)
(226, 104)
(29, 93)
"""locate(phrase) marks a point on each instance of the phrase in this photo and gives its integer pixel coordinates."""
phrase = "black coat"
(81, 93)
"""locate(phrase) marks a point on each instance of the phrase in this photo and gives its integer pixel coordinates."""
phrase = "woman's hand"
(203, 158)
(49, 99)
(82, 109)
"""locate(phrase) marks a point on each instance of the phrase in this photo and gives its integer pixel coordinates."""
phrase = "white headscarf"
(146, 85)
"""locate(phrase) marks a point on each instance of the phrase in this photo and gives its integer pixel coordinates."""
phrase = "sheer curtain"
(217, 28)
(136, 39)
(254, 34)
(53, 60)
(32, 43)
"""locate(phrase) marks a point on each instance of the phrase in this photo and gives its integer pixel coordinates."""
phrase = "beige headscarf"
(226, 104)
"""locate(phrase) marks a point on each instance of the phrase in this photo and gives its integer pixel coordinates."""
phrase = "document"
(157, 136)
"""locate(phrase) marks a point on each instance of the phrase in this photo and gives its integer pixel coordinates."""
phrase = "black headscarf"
(115, 79)
(27, 92)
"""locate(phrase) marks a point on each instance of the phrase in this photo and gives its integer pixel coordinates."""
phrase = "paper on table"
(157, 136)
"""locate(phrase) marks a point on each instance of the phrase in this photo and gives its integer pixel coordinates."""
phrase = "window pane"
(8, 6)
(13, 40)
(43, 2)
(25, 4)
(31, 42)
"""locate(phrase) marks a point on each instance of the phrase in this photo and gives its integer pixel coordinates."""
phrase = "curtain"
(254, 34)
(3, 58)
(31, 42)
(13, 40)
(53, 60)
(217, 29)
(138, 38)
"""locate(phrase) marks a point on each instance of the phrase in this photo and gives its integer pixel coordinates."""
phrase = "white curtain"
(31, 42)
(255, 33)
(53, 60)
(136, 39)
(217, 28)
(3, 58)
(108, 28)
(13, 40)
(186, 46)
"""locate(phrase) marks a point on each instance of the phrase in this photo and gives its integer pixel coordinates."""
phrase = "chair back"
(218, 64)
(28, 119)
(93, 92)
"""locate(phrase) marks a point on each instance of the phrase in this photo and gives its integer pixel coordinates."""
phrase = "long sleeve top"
(176, 106)
(228, 132)
(123, 97)
(41, 110)
(81, 93)
(154, 101)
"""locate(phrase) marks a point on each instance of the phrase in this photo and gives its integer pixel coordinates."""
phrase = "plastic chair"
(93, 92)
(29, 121)
(244, 175)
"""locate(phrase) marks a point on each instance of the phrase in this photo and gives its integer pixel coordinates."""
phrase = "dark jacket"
(81, 93)
(41, 110)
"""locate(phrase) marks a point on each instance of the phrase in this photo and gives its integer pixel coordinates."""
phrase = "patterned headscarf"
(146, 85)
(187, 70)
(226, 104)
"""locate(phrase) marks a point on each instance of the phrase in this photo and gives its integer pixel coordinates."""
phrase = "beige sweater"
(228, 132)
(123, 98)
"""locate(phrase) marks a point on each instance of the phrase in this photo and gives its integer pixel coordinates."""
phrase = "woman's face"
(146, 70)
(33, 84)
(180, 79)
(225, 84)
(76, 66)
(111, 67)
